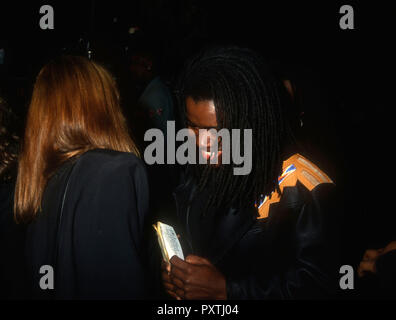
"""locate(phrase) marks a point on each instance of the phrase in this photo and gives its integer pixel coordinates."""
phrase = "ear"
(289, 87)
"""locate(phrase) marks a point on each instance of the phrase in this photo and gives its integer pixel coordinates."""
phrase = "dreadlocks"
(246, 96)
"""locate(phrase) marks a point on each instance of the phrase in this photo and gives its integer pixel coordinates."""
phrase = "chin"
(211, 156)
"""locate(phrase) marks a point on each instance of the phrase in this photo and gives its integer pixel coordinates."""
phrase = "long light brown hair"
(74, 108)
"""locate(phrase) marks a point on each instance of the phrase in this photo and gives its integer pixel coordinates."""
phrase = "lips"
(210, 156)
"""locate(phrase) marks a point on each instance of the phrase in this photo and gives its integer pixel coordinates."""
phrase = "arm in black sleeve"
(109, 233)
(315, 268)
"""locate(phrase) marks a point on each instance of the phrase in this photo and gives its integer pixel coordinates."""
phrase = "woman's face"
(202, 115)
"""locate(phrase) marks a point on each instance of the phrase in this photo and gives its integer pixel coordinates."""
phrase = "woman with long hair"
(81, 187)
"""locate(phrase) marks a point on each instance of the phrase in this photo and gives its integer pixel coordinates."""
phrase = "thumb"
(197, 260)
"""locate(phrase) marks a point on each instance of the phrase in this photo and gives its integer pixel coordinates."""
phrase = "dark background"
(344, 77)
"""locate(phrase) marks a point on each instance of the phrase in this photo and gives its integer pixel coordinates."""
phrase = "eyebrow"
(192, 124)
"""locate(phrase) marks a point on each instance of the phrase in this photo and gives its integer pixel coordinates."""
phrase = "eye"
(190, 125)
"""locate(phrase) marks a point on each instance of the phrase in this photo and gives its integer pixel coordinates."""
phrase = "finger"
(195, 293)
(197, 260)
(177, 282)
(367, 266)
(181, 274)
(362, 272)
(171, 289)
(180, 293)
(169, 286)
(173, 295)
(179, 263)
(390, 247)
(370, 254)
(165, 266)
(166, 277)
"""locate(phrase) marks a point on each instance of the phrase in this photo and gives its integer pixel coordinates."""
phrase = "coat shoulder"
(306, 172)
(297, 170)
(102, 161)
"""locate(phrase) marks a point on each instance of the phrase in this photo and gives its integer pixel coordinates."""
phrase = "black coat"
(97, 248)
(293, 253)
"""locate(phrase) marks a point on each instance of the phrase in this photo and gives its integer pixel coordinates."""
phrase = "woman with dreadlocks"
(267, 234)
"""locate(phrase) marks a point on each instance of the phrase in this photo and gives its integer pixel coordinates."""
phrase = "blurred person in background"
(154, 98)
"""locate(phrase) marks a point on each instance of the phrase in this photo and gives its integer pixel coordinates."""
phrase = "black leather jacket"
(289, 252)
